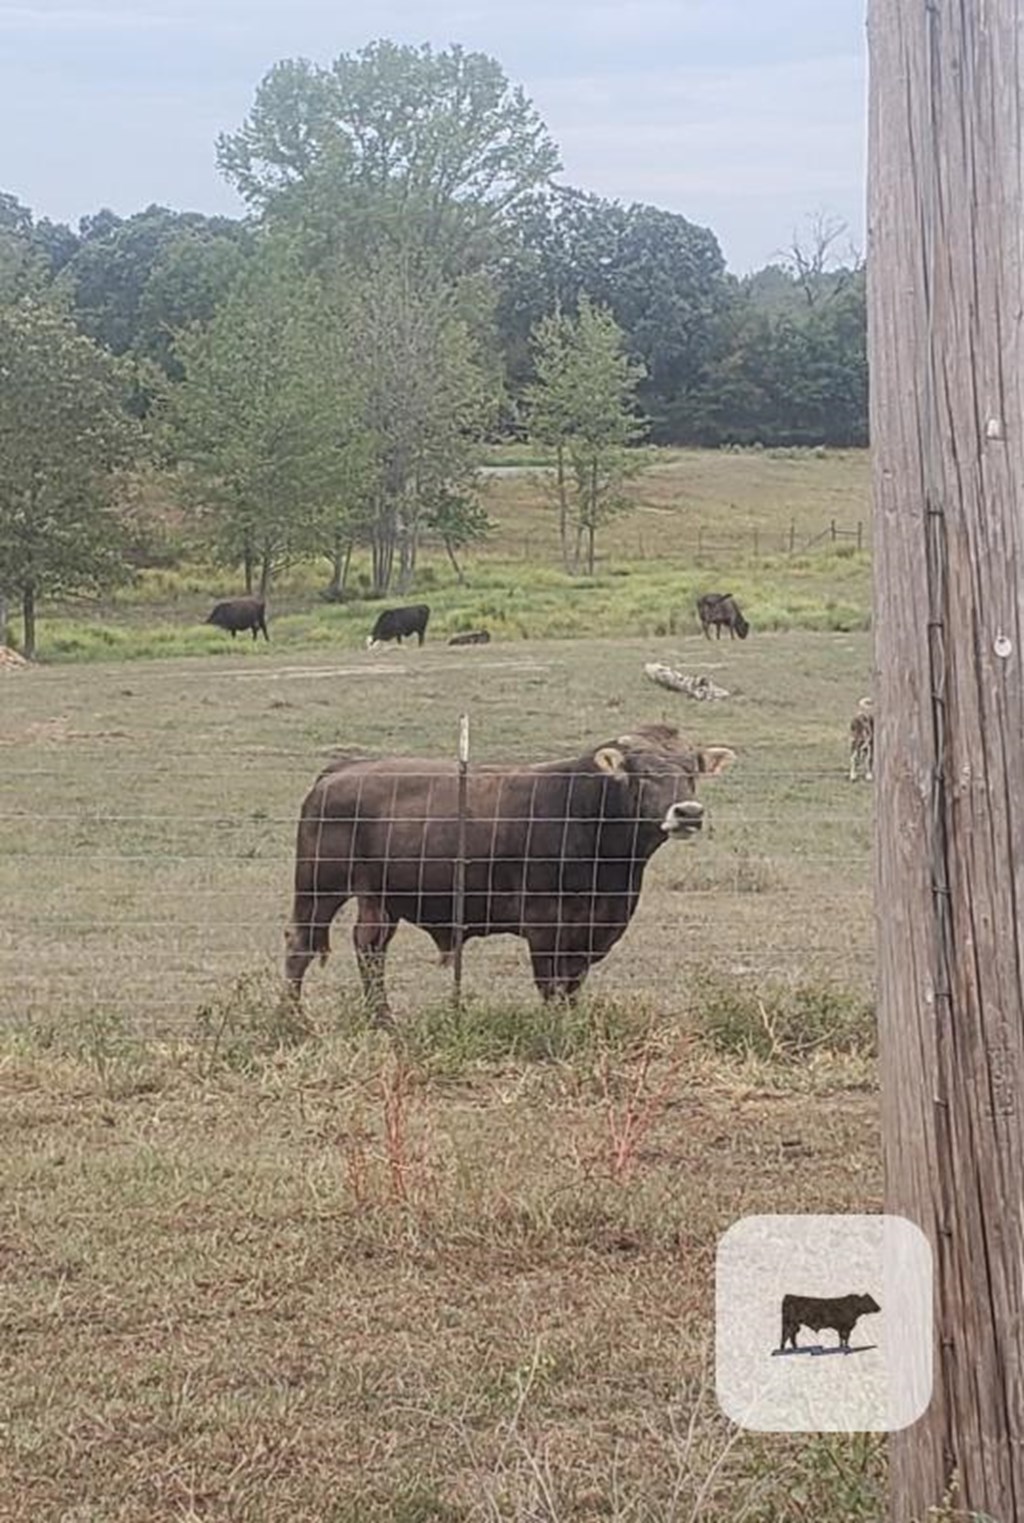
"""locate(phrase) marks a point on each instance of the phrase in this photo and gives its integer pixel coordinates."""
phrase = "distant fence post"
(860, 535)
(833, 531)
(756, 544)
(792, 535)
(459, 907)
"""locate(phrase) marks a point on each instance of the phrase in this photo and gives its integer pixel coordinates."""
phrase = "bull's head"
(662, 771)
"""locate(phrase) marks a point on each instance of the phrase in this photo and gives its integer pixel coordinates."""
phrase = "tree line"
(410, 281)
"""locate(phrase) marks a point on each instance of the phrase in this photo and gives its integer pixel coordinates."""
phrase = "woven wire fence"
(126, 901)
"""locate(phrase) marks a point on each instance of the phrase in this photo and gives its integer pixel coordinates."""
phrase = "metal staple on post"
(459, 909)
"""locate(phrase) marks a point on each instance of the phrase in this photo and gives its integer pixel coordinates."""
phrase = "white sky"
(745, 115)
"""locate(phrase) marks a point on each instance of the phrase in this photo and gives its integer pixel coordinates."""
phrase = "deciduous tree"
(394, 146)
(583, 404)
(65, 439)
(258, 425)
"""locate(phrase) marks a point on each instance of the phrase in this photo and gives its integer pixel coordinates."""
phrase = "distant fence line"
(753, 541)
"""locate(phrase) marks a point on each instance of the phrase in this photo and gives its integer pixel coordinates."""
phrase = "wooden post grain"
(946, 278)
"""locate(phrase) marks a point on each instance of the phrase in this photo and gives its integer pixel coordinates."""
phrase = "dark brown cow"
(234, 614)
(838, 1312)
(862, 742)
(721, 608)
(398, 623)
(471, 637)
(555, 852)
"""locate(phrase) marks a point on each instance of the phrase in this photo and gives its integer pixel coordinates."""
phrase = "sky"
(747, 116)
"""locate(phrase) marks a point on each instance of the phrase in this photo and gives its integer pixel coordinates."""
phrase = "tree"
(64, 439)
(134, 283)
(424, 397)
(661, 277)
(22, 272)
(394, 145)
(584, 405)
(811, 261)
(457, 520)
(257, 424)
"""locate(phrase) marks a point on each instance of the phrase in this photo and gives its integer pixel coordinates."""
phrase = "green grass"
(162, 617)
(704, 521)
(268, 1269)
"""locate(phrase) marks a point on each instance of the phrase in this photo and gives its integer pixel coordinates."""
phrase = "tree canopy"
(424, 149)
(64, 438)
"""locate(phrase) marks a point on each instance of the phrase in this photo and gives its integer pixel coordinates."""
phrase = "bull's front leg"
(371, 934)
(557, 976)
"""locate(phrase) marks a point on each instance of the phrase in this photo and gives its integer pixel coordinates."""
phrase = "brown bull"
(554, 852)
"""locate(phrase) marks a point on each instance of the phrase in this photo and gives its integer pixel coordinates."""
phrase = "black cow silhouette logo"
(840, 1313)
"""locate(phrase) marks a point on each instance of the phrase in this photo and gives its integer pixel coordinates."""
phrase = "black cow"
(471, 637)
(395, 623)
(840, 1313)
(721, 608)
(555, 852)
(241, 613)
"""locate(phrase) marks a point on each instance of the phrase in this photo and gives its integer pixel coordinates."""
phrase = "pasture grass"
(704, 521)
(275, 1269)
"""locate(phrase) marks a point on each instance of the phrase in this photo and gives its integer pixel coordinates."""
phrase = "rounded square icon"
(823, 1324)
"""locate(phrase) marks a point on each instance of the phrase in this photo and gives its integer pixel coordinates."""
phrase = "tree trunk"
(28, 619)
(946, 270)
(382, 550)
(590, 549)
(266, 567)
(450, 552)
(341, 559)
(563, 507)
(577, 551)
(248, 565)
(408, 546)
(3, 619)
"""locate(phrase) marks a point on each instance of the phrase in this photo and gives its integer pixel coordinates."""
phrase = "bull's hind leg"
(372, 932)
(308, 936)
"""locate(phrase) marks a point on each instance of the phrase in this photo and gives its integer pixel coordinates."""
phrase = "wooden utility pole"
(946, 288)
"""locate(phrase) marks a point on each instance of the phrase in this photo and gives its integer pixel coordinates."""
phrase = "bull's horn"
(610, 759)
(715, 759)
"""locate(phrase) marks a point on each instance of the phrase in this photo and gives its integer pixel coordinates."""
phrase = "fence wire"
(143, 905)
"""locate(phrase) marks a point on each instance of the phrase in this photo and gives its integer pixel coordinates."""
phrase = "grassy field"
(260, 1272)
(756, 523)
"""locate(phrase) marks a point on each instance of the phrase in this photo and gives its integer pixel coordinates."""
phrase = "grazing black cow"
(840, 1313)
(395, 623)
(721, 608)
(862, 742)
(471, 637)
(555, 852)
(241, 613)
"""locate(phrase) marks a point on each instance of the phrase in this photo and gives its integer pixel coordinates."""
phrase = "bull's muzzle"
(684, 819)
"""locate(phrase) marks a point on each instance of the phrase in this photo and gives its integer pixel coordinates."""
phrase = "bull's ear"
(714, 760)
(611, 759)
